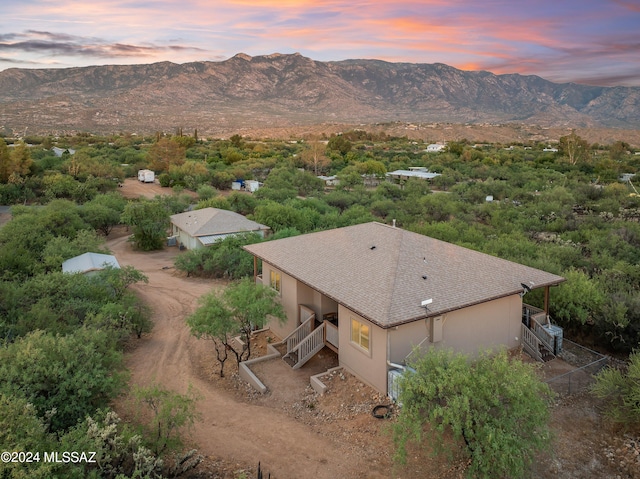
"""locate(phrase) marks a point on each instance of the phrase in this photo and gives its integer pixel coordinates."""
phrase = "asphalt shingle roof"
(379, 271)
(214, 221)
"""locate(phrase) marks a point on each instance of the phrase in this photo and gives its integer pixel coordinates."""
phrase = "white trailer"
(146, 176)
(251, 185)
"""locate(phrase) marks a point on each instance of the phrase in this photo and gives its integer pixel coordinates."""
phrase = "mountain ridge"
(291, 89)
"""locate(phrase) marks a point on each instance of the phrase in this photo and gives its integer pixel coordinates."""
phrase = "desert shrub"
(621, 392)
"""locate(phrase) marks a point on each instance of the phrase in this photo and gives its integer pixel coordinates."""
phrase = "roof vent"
(372, 247)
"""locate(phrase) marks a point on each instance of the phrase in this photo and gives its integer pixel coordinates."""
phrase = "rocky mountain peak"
(290, 89)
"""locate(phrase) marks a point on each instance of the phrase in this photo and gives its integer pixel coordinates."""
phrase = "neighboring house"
(436, 147)
(375, 292)
(330, 180)
(89, 263)
(198, 228)
(60, 151)
(403, 175)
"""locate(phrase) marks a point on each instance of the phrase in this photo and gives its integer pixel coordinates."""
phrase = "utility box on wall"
(436, 329)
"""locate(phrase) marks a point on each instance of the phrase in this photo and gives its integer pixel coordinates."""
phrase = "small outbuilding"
(198, 228)
(89, 263)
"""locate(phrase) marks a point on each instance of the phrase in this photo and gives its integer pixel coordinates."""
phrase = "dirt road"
(235, 431)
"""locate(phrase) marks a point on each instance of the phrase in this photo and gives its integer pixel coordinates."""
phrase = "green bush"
(620, 391)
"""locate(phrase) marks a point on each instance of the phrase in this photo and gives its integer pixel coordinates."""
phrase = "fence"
(587, 363)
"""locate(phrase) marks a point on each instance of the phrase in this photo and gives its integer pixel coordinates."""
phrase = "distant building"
(330, 180)
(246, 185)
(60, 151)
(403, 175)
(436, 147)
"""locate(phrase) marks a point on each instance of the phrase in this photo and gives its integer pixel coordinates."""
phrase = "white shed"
(89, 263)
(251, 185)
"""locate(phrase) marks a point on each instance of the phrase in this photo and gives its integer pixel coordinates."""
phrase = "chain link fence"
(587, 363)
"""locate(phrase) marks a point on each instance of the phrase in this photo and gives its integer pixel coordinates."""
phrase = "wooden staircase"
(536, 348)
(303, 343)
(545, 354)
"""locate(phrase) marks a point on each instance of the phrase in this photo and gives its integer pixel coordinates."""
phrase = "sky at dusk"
(585, 41)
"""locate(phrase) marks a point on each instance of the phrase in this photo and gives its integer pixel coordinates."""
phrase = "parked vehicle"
(146, 176)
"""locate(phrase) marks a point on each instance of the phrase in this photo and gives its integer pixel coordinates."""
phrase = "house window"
(275, 280)
(360, 334)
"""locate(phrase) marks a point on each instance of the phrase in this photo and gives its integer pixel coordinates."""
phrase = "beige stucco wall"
(469, 330)
(305, 296)
(323, 304)
(369, 367)
(293, 294)
(288, 298)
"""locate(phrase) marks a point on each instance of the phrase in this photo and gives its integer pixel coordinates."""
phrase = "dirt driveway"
(132, 188)
(239, 432)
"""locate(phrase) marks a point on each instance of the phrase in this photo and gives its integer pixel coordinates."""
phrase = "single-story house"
(60, 151)
(436, 147)
(89, 263)
(330, 180)
(198, 228)
(403, 175)
(373, 292)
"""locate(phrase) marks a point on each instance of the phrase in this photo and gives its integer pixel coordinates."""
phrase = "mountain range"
(286, 90)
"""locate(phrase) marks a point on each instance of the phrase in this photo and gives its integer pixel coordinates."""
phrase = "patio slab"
(284, 383)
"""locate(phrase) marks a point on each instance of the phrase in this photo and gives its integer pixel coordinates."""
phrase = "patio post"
(546, 302)
(255, 268)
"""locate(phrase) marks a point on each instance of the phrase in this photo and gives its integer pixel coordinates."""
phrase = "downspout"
(389, 363)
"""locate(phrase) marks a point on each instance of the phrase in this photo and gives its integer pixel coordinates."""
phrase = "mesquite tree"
(243, 307)
(496, 406)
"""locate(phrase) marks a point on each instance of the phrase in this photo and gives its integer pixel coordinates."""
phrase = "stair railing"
(548, 339)
(309, 346)
(298, 334)
(531, 343)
